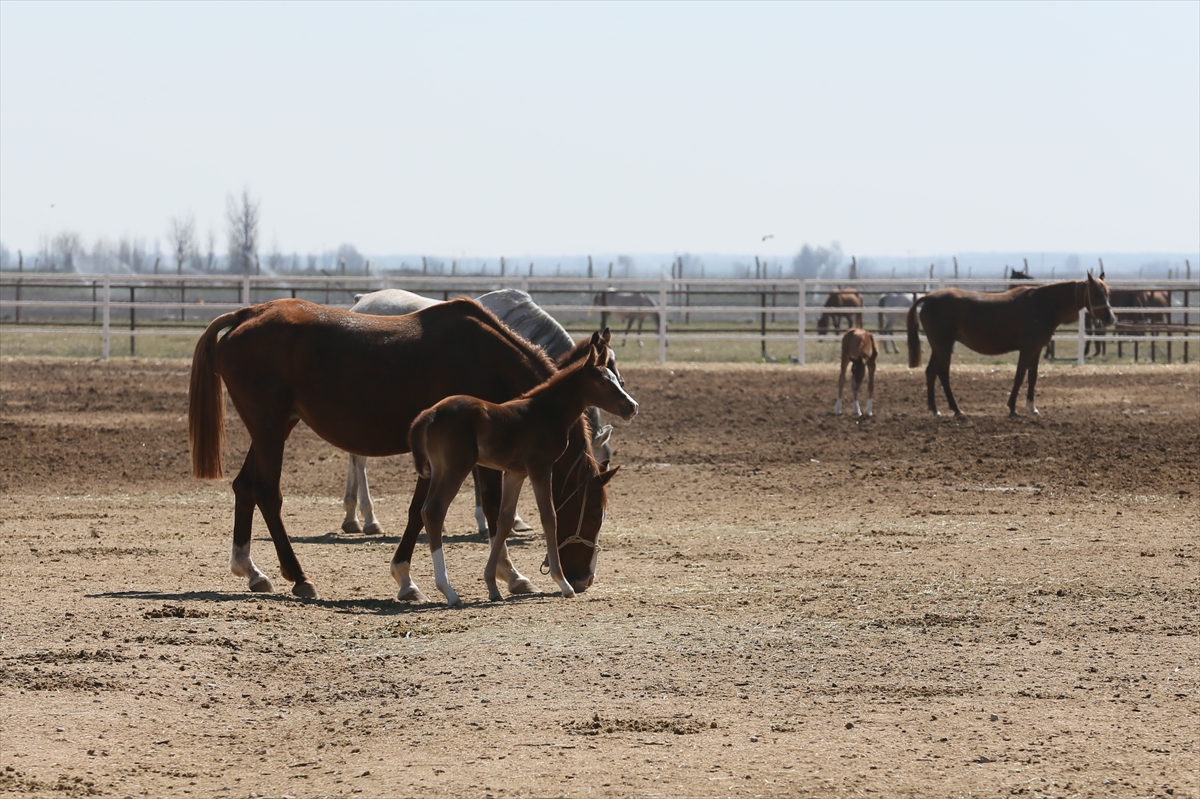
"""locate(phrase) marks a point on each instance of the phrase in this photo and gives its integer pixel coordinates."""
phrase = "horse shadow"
(358, 539)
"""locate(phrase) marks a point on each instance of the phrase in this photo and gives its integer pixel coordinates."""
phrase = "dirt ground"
(788, 603)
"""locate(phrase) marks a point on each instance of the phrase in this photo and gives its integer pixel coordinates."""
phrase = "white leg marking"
(870, 408)
(857, 409)
(520, 525)
(408, 589)
(370, 523)
(242, 566)
(837, 407)
(1030, 407)
(480, 521)
(442, 580)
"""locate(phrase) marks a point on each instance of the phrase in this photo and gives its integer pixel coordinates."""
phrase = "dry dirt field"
(788, 603)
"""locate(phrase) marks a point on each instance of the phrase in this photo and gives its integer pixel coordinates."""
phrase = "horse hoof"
(262, 586)
(351, 527)
(522, 586)
(412, 594)
(937, 414)
(456, 602)
(958, 417)
(373, 528)
(306, 590)
(521, 526)
(494, 595)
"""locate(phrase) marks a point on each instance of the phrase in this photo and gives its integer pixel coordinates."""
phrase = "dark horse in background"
(289, 361)
(1137, 322)
(1020, 319)
(841, 299)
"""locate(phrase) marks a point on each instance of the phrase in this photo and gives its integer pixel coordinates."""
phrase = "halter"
(576, 538)
(1087, 298)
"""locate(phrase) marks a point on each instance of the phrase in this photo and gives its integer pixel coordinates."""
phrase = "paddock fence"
(690, 319)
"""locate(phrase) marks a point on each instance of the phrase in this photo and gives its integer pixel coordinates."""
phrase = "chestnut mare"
(523, 438)
(842, 298)
(289, 361)
(1021, 319)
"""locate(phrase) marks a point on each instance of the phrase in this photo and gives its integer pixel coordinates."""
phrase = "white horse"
(887, 319)
(612, 297)
(518, 312)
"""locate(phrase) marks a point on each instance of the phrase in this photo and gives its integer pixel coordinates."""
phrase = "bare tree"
(242, 218)
(65, 247)
(182, 234)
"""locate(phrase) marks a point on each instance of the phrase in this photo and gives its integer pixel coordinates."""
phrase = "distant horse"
(523, 438)
(1132, 321)
(289, 361)
(520, 313)
(1021, 319)
(887, 319)
(610, 297)
(842, 298)
(858, 350)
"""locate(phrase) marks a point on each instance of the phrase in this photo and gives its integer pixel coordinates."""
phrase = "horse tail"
(206, 401)
(418, 441)
(914, 335)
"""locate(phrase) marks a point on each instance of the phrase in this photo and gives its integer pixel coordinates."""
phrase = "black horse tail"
(914, 335)
(418, 440)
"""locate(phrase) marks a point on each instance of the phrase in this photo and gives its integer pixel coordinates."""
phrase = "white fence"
(79, 303)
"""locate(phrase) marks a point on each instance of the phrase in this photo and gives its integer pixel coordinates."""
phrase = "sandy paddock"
(788, 603)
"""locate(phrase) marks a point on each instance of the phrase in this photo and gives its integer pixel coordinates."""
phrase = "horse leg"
(268, 465)
(1033, 367)
(371, 525)
(628, 327)
(837, 406)
(931, 373)
(480, 520)
(871, 386)
(509, 492)
(1022, 367)
(402, 560)
(542, 489)
(492, 496)
(350, 500)
(855, 384)
(944, 376)
(443, 486)
(243, 518)
(641, 322)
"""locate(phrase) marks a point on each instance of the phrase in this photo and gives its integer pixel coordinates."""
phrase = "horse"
(523, 438)
(842, 298)
(887, 319)
(289, 360)
(517, 310)
(1021, 319)
(858, 352)
(611, 297)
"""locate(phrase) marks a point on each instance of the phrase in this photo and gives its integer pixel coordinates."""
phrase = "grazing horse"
(858, 351)
(887, 319)
(289, 361)
(611, 297)
(842, 298)
(516, 310)
(1021, 319)
(523, 438)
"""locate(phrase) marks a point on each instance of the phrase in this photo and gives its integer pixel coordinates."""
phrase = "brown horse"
(289, 361)
(842, 298)
(858, 352)
(1021, 319)
(523, 438)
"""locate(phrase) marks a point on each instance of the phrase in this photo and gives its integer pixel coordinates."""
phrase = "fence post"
(246, 290)
(104, 336)
(803, 320)
(662, 316)
(1082, 335)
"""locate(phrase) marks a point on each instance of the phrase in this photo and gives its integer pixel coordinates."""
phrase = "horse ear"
(592, 357)
(595, 339)
(606, 334)
(604, 477)
(604, 464)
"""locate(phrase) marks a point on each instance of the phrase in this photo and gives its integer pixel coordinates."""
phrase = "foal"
(523, 438)
(858, 348)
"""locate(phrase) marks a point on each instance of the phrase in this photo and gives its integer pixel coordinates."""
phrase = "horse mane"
(531, 351)
(517, 310)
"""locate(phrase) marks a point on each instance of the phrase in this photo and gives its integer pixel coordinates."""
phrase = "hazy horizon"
(483, 129)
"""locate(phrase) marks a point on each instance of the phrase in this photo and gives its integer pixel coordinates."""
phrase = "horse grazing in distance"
(517, 310)
(887, 319)
(610, 297)
(1021, 319)
(289, 361)
(858, 351)
(523, 438)
(842, 298)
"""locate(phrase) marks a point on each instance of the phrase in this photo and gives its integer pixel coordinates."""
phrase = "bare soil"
(788, 603)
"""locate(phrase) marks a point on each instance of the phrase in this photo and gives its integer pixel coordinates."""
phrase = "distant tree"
(210, 257)
(181, 233)
(242, 218)
(349, 255)
(813, 262)
(4, 256)
(65, 249)
(275, 258)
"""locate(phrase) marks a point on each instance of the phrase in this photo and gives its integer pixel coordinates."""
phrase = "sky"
(483, 129)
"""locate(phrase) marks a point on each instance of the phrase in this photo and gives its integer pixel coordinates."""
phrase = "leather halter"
(1087, 298)
(576, 538)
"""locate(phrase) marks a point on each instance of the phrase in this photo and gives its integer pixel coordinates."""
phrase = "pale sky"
(485, 129)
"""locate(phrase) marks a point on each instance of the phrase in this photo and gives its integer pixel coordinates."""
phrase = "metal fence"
(679, 311)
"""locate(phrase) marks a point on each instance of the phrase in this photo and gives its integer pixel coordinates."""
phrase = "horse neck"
(1064, 299)
(575, 464)
(562, 398)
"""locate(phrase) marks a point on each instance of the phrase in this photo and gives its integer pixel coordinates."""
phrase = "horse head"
(580, 518)
(604, 386)
(1096, 298)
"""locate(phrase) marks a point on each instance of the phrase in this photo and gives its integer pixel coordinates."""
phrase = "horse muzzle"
(630, 411)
